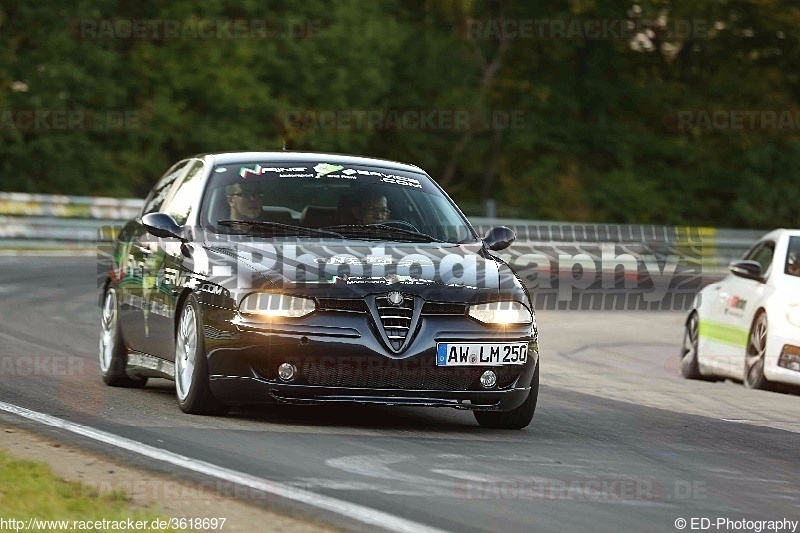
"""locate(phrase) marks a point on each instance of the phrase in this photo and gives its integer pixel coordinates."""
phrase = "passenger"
(245, 203)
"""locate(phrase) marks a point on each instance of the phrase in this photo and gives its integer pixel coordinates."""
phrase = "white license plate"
(481, 354)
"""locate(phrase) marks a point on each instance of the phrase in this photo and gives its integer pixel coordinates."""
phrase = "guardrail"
(78, 219)
(565, 265)
(72, 219)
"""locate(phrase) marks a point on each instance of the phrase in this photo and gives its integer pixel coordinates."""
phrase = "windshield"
(343, 201)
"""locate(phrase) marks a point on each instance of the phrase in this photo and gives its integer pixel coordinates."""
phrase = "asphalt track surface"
(619, 442)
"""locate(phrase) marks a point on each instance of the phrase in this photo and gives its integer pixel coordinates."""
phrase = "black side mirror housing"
(162, 225)
(746, 269)
(499, 238)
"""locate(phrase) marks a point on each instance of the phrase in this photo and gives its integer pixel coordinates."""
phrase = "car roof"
(227, 158)
(777, 233)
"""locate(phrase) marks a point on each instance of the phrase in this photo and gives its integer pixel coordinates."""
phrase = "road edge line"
(352, 511)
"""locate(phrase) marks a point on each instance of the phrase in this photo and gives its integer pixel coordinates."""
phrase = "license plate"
(481, 354)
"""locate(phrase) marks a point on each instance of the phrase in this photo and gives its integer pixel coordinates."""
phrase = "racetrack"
(618, 441)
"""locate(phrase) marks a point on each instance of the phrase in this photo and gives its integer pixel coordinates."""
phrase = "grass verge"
(29, 490)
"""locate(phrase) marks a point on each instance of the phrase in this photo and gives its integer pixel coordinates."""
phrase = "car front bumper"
(339, 359)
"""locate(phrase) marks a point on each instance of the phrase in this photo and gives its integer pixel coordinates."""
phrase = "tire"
(689, 366)
(754, 356)
(111, 350)
(191, 367)
(517, 418)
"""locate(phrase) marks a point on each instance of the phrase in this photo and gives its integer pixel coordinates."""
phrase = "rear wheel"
(191, 367)
(517, 418)
(754, 357)
(112, 352)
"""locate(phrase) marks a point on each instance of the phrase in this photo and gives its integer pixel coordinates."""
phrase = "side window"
(185, 194)
(763, 255)
(156, 197)
(792, 266)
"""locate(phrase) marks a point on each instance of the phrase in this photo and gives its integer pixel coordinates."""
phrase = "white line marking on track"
(353, 511)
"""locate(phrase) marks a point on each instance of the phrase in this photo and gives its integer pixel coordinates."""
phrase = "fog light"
(488, 379)
(287, 371)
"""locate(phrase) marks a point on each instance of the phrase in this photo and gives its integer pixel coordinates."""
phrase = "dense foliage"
(598, 131)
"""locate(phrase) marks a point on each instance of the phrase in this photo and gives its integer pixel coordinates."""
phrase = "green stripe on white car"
(723, 333)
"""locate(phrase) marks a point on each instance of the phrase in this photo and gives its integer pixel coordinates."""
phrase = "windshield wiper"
(276, 229)
(380, 232)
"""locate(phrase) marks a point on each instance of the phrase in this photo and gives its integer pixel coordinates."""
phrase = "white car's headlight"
(268, 305)
(501, 313)
(793, 314)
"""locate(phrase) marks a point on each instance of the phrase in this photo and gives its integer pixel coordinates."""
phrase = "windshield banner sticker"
(258, 170)
(326, 168)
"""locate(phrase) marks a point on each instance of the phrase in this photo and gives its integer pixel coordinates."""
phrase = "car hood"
(352, 269)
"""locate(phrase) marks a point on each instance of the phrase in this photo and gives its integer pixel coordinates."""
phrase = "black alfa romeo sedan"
(311, 278)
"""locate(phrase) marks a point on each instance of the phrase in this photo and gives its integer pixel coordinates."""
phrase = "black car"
(309, 278)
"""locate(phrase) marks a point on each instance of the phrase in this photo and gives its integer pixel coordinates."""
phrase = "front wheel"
(112, 352)
(517, 418)
(756, 352)
(689, 366)
(191, 367)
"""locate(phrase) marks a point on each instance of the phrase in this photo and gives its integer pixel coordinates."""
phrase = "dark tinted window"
(762, 253)
(792, 266)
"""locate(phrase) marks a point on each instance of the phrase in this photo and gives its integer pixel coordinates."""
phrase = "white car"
(747, 326)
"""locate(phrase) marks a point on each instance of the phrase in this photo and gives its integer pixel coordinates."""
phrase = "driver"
(372, 208)
(793, 264)
(245, 203)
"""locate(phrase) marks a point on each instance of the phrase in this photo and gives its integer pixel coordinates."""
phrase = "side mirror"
(746, 269)
(162, 225)
(499, 238)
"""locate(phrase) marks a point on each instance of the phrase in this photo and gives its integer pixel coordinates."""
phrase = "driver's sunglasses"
(251, 194)
(379, 211)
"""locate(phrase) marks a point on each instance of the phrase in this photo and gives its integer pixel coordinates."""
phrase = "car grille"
(364, 376)
(439, 308)
(395, 319)
(333, 304)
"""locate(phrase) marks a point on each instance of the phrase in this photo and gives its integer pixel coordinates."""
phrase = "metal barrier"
(78, 219)
(565, 265)
(68, 219)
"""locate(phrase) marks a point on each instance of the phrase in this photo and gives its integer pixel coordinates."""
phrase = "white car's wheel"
(689, 366)
(191, 368)
(754, 357)
(111, 349)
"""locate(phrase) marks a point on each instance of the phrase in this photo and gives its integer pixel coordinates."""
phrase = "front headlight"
(793, 314)
(501, 313)
(269, 305)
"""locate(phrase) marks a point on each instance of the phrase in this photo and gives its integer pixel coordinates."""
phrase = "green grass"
(30, 490)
